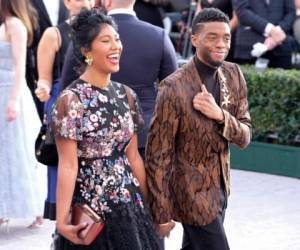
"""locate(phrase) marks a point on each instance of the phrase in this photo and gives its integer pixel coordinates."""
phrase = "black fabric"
(208, 237)
(45, 148)
(120, 232)
(50, 210)
(31, 59)
(149, 13)
(65, 31)
(224, 5)
(208, 75)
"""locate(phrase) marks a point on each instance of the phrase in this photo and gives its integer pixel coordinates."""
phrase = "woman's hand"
(42, 91)
(11, 111)
(71, 232)
(163, 230)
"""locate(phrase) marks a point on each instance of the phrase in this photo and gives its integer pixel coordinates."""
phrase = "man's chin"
(216, 63)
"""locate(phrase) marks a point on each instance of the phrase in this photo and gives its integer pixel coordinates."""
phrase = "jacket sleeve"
(168, 62)
(247, 17)
(237, 129)
(160, 152)
(289, 16)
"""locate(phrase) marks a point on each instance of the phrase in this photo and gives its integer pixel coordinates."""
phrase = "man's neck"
(128, 11)
(204, 68)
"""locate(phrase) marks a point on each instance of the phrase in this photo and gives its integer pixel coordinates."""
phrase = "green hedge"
(274, 102)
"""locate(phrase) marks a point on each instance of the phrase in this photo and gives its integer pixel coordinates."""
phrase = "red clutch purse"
(84, 214)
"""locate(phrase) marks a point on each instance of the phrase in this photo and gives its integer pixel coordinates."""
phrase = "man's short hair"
(208, 15)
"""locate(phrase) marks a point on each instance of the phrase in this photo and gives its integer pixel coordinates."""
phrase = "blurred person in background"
(296, 25)
(50, 13)
(151, 11)
(264, 31)
(20, 193)
(50, 58)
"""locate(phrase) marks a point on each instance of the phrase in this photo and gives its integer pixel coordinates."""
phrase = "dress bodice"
(6, 63)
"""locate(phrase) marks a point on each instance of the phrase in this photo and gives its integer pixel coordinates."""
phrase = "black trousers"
(209, 237)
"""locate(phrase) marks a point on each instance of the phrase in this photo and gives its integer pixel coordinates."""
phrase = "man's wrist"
(268, 29)
(221, 119)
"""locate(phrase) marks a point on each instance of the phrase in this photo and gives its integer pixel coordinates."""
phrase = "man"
(148, 55)
(50, 13)
(264, 29)
(200, 109)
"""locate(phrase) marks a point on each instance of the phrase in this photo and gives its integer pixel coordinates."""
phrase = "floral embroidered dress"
(102, 122)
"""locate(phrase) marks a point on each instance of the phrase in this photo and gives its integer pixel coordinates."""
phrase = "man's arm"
(168, 63)
(247, 17)
(289, 16)
(237, 129)
(160, 150)
(71, 64)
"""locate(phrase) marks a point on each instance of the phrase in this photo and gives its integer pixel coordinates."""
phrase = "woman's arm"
(137, 164)
(234, 22)
(48, 46)
(17, 34)
(67, 173)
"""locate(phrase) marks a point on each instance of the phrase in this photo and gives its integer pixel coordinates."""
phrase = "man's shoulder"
(174, 80)
(230, 67)
(138, 24)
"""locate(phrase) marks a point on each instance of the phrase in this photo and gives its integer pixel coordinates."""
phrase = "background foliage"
(274, 102)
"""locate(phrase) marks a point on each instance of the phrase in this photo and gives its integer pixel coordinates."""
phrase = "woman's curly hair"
(85, 28)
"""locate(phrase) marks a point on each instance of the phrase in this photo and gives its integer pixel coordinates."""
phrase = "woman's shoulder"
(75, 87)
(129, 91)
(14, 24)
(51, 34)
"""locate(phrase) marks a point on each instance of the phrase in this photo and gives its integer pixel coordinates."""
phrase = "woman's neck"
(96, 78)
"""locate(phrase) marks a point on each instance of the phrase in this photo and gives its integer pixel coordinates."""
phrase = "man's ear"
(194, 40)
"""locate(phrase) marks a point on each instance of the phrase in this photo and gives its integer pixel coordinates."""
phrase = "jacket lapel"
(63, 12)
(43, 12)
(224, 91)
(192, 70)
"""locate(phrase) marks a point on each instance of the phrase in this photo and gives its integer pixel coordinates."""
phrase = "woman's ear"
(84, 52)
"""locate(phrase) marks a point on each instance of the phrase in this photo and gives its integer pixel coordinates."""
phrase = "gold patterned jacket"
(187, 153)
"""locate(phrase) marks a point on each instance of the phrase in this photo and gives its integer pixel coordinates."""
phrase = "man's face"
(212, 43)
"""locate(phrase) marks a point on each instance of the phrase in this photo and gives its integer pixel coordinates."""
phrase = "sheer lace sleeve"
(135, 109)
(67, 116)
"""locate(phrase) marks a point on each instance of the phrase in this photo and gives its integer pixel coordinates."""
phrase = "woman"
(95, 122)
(50, 56)
(19, 192)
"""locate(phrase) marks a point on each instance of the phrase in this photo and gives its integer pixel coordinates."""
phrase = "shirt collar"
(203, 69)
(121, 11)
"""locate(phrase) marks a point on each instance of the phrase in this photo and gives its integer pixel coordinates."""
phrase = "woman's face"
(106, 50)
(74, 6)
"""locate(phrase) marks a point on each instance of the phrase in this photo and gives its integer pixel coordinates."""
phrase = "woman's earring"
(89, 60)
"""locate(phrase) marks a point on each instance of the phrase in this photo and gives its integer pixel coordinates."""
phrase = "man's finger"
(203, 89)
